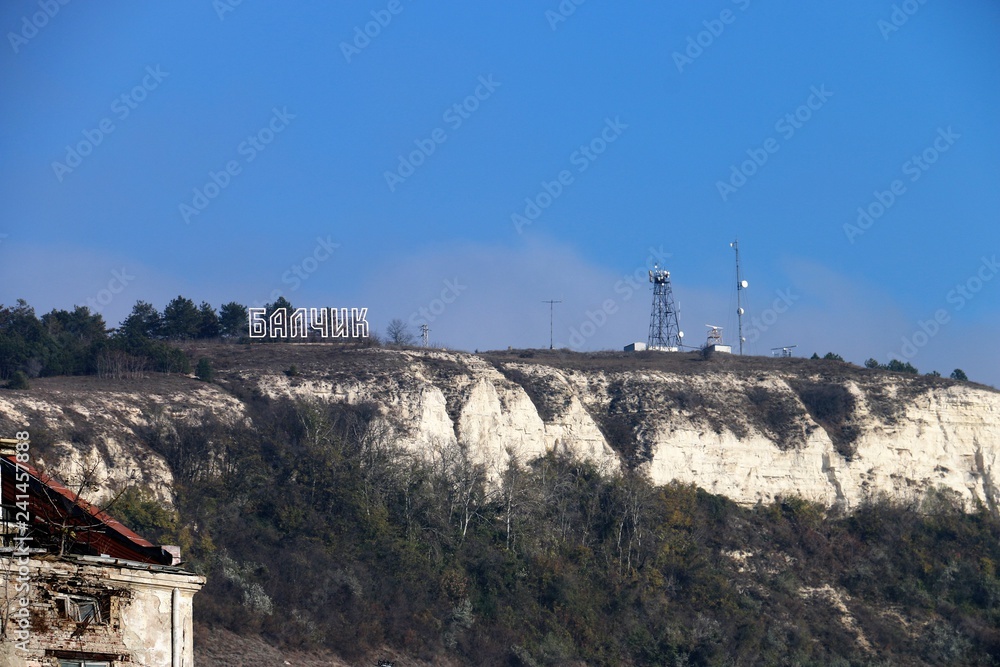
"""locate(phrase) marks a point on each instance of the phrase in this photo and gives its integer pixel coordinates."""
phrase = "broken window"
(8, 525)
(82, 609)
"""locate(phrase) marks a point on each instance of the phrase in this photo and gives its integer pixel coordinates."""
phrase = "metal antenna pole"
(424, 330)
(551, 306)
(740, 286)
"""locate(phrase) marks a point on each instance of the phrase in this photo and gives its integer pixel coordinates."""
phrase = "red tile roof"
(51, 503)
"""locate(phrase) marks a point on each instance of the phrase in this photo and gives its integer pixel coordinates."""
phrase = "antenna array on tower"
(664, 327)
(740, 286)
(551, 303)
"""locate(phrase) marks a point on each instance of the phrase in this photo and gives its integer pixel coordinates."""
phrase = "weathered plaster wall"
(136, 627)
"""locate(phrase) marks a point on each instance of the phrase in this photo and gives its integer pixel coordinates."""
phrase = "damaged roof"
(54, 509)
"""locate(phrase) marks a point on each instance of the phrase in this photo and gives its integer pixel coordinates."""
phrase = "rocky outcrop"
(751, 431)
(95, 433)
(751, 435)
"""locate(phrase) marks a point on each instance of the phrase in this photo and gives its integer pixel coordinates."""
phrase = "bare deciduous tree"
(397, 333)
(518, 499)
(69, 521)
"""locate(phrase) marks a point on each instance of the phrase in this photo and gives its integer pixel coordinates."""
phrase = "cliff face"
(747, 429)
(96, 433)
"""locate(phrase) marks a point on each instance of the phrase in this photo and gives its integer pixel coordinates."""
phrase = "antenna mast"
(424, 330)
(714, 336)
(551, 306)
(740, 286)
(664, 328)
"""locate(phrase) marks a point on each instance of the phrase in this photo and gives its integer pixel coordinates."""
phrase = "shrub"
(139, 509)
(204, 370)
(19, 380)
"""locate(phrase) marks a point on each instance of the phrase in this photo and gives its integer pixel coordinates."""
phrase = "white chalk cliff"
(750, 433)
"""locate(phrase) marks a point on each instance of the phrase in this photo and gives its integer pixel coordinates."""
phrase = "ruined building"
(79, 589)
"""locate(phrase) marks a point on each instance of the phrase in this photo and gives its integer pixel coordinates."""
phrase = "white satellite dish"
(740, 311)
(680, 334)
(744, 284)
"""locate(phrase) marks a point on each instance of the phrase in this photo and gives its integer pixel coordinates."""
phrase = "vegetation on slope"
(316, 530)
(77, 342)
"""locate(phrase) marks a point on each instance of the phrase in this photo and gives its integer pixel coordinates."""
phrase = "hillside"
(552, 508)
(749, 428)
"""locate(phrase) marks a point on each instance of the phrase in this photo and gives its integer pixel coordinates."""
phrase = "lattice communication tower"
(664, 327)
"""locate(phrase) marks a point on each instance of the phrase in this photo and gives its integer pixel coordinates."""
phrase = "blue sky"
(384, 170)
